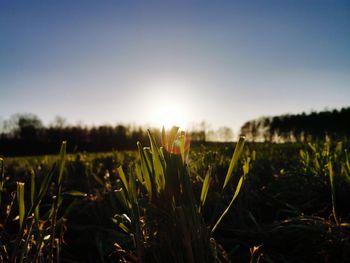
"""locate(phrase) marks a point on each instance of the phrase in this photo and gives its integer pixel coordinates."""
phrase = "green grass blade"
(331, 180)
(145, 169)
(205, 188)
(238, 188)
(132, 189)
(246, 166)
(158, 165)
(182, 146)
(123, 178)
(148, 158)
(21, 204)
(172, 137)
(121, 225)
(312, 147)
(168, 138)
(61, 164)
(122, 198)
(43, 190)
(347, 162)
(62, 160)
(164, 139)
(138, 173)
(74, 193)
(236, 154)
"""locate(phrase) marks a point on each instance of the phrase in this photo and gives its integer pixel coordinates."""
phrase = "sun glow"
(170, 115)
(171, 101)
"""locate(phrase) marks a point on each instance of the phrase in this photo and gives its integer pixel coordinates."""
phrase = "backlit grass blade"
(246, 166)
(347, 165)
(238, 188)
(168, 138)
(312, 147)
(331, 180)
(145, 169)
(182, 146)
(138, 173)
(148, 158)
(62, 160)
(132, 189)
(61, 164)
(123, 178)
(236, 154)
(122, 198)
(339, 148)
(74, 193)
(347, 160)
(164, 139)
(158, 164)
(21, 204)
(317, 162)
(121, 225)
(172, 137)
(205, 189)
(43, 190)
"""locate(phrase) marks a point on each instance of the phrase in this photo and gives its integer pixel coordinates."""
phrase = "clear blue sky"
(220, 61)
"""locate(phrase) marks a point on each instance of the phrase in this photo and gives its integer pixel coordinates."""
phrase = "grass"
(35, 240)
(252, 203)
(168, 206)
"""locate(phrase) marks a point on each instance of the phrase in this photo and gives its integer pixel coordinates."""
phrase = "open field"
(174, 131)
(280, 203)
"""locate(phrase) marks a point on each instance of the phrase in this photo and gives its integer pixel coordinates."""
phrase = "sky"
(154, 62)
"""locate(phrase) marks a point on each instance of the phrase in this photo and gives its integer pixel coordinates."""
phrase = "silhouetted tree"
(297, 127)
(28, 126)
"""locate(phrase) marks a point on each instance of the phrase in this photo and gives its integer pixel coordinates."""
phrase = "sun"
(170, 115)
(171, 101)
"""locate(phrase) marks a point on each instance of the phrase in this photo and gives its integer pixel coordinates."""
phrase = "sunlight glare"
(170, 115)
(171, 97)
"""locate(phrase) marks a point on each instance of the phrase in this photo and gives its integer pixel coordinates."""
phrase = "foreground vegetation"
(254, 203)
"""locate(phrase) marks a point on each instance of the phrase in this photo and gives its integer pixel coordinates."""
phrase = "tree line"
(25, 134)
(299, 127)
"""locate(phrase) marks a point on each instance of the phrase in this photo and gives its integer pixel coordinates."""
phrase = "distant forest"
(299, 127)
(25, 134)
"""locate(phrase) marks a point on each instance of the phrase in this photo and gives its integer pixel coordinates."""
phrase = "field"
(248, 202)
